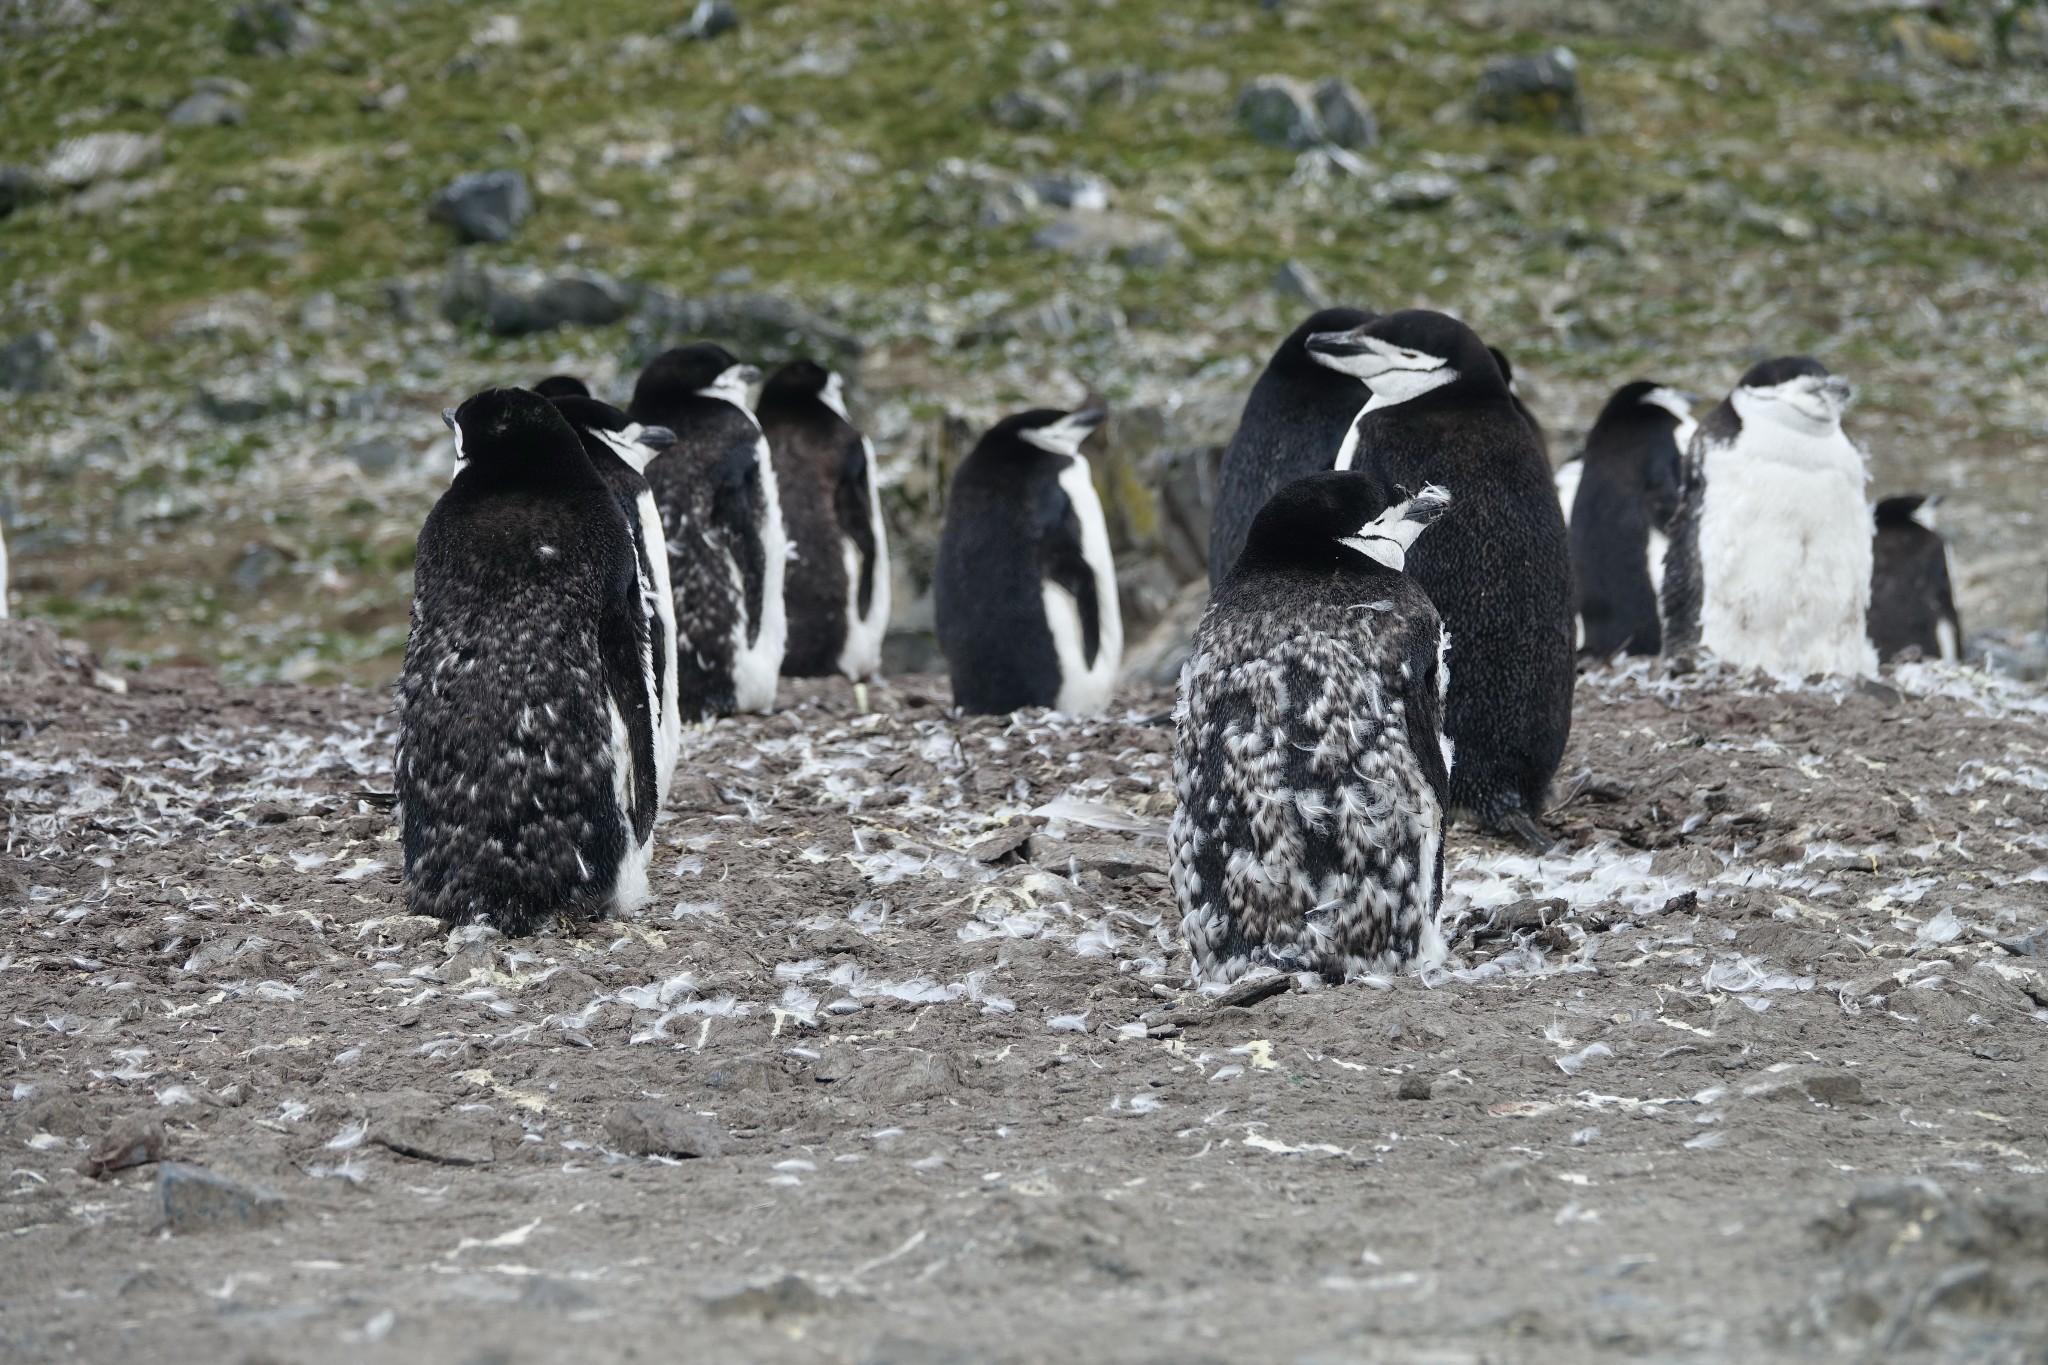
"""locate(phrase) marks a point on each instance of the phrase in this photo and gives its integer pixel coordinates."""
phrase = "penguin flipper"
(850, 503)
(1062, 562)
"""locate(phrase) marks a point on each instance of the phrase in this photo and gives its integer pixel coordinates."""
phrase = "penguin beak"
(1335, 345)
(1087, 420)
(656, 439)
(448, 417)
(1838, 392)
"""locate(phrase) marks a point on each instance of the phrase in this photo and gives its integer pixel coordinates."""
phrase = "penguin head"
(705, 370)
(605, 425)
(1908, 509)
(801, 382)
(1793, 391)
(1340, 519)
(1647, 426)
(1295, 355)
(1049, 429)
(562, 386)
(514, 433)
(1402, 356)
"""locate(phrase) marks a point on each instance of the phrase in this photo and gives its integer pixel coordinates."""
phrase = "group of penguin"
(1402, 590)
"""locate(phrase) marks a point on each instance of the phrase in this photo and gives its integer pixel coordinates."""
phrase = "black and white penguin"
(525, 765)
(1912, 606)
(722, 512)
(1497, 565)
(1770, 556)
(1309, 756)
(619, 449)
(562, 386)
(1024, 590)
(1619, 501)
(1296, 419)
(837, 589)
(3, 576)
(1507, 372)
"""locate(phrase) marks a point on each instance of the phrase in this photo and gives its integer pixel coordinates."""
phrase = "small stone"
(1072, 190)
(133, 1141)
(21, 186)
(484, 206)
(1023, 110)
(648, 1129)
(194, 1199)
(709, 19)
(1048, 58)
(33, 363)
(273, 28)
(1140, 242)
(745, 122)
(1540, 89)
(205, 109)
(1281, 110)
(1295, 281)
(583, 298)
(234, 401)
(257, 565)
(787, 1297)
(1415, 1086)
(320, 315)
(1347, 121)
(1416, 189)
(80, 161)
(843, 1007)
(1004, 842)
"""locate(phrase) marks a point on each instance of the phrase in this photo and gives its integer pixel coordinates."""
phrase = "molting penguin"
(1294, 423)
(619, 449)
(1627, 493)
(525, 765)
(1309, 756)
(1497, 565)
(1912, 608)
(837, 591)
(562, 386)
(1025, 591)
(1769, 565)
(723, 514)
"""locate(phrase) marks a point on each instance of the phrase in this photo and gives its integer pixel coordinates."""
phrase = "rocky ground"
(902, 1063)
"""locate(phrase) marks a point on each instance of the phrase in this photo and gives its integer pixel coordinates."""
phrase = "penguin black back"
(518, 798)
(1912, 605)
(1497, 565)
(562, 386)
(1507, 372)
(1293, 424)
(1627, 495)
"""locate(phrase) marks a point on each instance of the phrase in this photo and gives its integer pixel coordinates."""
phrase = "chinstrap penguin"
(1497, 565)
(1296, 419)
(1912, 605)
(619, 449)
(722, 514)
(1769, 565)
(1507, 372)
(524, 772)
(1024, 590)
(1310, 763)
(562, 386)
(837, 589)
(1626, 494)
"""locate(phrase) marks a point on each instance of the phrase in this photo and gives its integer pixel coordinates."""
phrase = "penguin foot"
(1517, 821)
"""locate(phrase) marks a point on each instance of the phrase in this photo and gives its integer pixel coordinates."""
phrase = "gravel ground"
(901, 1064)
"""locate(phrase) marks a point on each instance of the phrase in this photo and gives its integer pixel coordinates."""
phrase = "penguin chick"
(1497, 567)
(1294, 423)
(1025, 590)
(722, 513)
(1309, 757)
(525, 766)
(1627, 494)
(1769, 565)
(1912, 607)
(837, 589)
(619, 449)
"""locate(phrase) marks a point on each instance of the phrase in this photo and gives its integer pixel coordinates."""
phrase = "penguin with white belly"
(1025, 590)
(525, 764)
(1769, 565)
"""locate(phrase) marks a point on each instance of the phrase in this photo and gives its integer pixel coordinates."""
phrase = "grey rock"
(223, 85)
(582, 299)
(648, 1129)
(1047, 58)
(245, 315)
(375, 454)
(82, 161)
(205, 109)
(33, 363)
(1024, 110)
(709, 19)
(1093, 234)
(257, 565)
(484, 206)
(1346, 120)
(1072, 190)
(320, 315)
(194, 1199)
(516, 303)
(763, 327)
(1541, 89)
(241, 399)
(21, 186)
(1280, 110)
(1295, 281)
(790, 1296)
(272, 28)
(1416, 189)
(745, 122)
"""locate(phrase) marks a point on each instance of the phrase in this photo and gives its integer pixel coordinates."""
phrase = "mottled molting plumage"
(619, 449)
(1025, 590)
(525, 763)
(1294, 423)
(1310, 763)
(1769, 565)
(837, 590)
(722, 513)
(1912, 606)
(1627, 493)
(1497, 566)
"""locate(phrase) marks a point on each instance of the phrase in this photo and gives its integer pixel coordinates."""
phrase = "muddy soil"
(902, 1063)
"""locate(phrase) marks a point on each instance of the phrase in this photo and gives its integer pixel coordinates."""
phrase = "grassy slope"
(1803, 193)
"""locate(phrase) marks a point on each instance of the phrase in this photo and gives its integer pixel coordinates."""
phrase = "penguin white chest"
(1085, 684)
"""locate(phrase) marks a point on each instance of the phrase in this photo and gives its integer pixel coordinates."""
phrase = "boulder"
(1543, 89)
(1347, 122)
(1072, 190)
(1094, 234)
(484, 206)
(1280, 110)
(33, 363)
(194, 1199)
(21, 186)
(762, 327)
(81, 161)
(1024, 110)
(205, 109)
(272, 28)
(517, 303)
(708, 20)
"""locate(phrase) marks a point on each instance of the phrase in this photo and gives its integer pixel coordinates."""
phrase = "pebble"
(194, 1199)
(1539, 89)
(484, 206)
